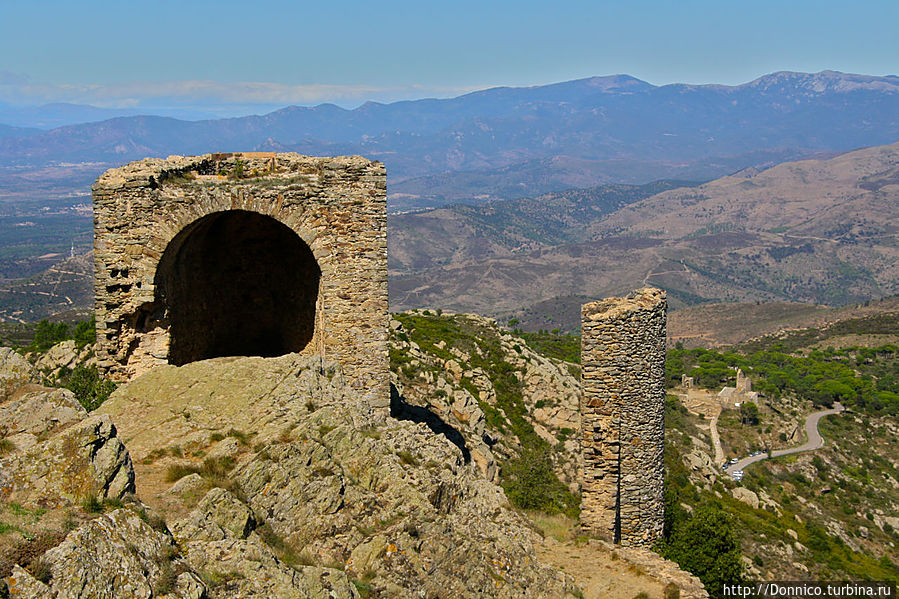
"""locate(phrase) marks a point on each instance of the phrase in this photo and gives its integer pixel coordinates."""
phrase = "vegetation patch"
(528, 477)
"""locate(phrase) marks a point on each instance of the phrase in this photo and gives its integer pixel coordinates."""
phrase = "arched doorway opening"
(237, 283)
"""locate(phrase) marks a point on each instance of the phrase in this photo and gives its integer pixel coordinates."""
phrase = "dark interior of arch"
(237, 283)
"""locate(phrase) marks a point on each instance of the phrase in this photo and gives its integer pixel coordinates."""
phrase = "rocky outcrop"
(326, 484)
(34, 410)
(257, 478)
(15, 371)
(85, 460)
(457, 381)
(56, 454)
(65, 354)
(119, 555)
(746, 496)
(218, 535)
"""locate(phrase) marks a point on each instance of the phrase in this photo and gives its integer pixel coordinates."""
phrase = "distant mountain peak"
(825, 81)
(616, 82)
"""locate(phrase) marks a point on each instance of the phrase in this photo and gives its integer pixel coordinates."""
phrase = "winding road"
(815, 440)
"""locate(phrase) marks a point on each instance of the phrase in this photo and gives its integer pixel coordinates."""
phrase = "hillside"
(462, 233)
(816, 231)
(713, 325)
(67, 285)
(787, 516)
(826, 514)
(269, 477)
(252, 477)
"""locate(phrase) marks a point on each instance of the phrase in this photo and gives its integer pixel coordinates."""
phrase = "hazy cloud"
(200, 92)
(10, 78)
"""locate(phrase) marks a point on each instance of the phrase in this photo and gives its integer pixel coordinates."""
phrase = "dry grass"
(556, 526)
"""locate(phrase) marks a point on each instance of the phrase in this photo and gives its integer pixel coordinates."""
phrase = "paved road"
(815, 440)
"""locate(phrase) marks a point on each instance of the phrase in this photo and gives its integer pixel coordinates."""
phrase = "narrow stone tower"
(622, 417)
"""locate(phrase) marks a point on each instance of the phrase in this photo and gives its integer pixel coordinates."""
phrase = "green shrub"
(706, 545)
(90, 389)
(531, 484)
(47, 334)
(85, 332)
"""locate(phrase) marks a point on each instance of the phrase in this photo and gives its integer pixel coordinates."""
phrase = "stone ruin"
(623, 417)
(267, 254)
(242, 254)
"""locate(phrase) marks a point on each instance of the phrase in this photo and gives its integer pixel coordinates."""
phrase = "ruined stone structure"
(622, 417)
(744, 384)
(242, 254)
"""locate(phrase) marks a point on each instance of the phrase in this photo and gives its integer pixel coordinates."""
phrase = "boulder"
(63, 354)
(118, 555)
(15, 371)
(219, 515)
(86, 459)
(22, 585)
(37, 410)
(746, 496)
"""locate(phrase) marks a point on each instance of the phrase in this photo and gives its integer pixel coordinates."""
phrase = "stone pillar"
(622, 417)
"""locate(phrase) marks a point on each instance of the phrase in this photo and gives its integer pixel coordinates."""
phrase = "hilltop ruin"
(242, 254)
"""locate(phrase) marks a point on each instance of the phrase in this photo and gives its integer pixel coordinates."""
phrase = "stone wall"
(622, 417)
(202, 229)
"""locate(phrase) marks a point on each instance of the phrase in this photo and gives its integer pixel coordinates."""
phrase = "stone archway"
(237, 283)
(242, 254)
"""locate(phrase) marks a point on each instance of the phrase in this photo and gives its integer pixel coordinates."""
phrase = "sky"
(240, 55)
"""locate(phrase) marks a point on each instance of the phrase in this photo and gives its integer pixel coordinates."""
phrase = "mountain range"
(816, 231)
(507, 143)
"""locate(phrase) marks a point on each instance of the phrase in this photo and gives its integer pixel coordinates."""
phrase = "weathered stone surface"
(249, 569)
(148, 213)
(326, 474)
(189, 484)
(115, 555)
(219, 515)
(22, 585)
(622, 416)
(63, 355)
(746, 496)
(86, 459)
(701, 463)
(15, 371)
(181, 405)
(36, 410)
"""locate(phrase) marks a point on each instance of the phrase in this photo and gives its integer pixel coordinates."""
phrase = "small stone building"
(623, 417)
(242, 254)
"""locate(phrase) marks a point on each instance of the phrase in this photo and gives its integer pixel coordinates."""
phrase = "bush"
(89, 387)
(85, 332)
(530, 483)
(706, 545)
(47, 334)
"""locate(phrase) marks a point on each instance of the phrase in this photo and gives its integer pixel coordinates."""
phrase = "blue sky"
(199, 52)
